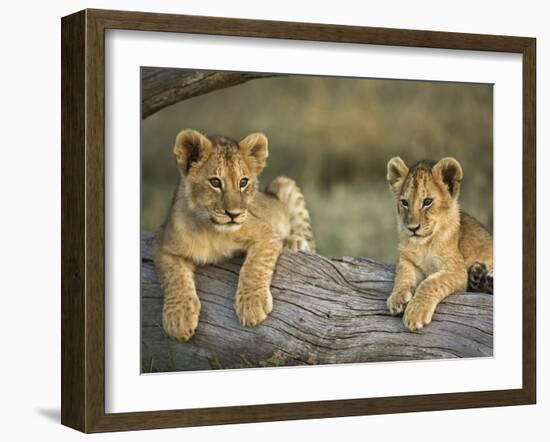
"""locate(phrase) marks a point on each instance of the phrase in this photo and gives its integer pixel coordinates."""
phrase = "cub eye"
(243, 183)
(215, 182)
(404, 203)
(427, 202)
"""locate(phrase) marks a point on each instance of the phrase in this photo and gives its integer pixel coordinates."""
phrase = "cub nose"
(233, 214)
(414, 229)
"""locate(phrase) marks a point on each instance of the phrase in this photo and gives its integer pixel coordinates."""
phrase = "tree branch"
(162, 87)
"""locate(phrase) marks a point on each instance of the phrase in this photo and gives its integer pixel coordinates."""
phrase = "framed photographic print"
(267, 220)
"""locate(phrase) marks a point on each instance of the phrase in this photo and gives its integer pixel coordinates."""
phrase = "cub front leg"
(253, 301)
(406, 278)
(430, 293)
(181, 309)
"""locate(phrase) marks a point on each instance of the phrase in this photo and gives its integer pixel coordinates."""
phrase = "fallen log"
(326, 311)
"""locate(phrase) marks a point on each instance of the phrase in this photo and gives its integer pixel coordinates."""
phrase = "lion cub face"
(426, 196)
(220, 175)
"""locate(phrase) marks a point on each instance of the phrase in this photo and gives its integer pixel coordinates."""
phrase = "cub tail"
(300, 236)
(480, 278)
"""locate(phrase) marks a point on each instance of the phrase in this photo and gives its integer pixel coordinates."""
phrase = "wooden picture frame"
(83, 220)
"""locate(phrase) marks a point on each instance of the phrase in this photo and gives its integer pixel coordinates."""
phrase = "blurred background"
(334, 136)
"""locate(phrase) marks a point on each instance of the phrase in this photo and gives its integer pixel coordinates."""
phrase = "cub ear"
(190, 147)
(396, 174)
(449, 171)
(254, 147)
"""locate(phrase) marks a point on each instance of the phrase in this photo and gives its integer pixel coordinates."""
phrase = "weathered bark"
(162, 87)
(325, 311)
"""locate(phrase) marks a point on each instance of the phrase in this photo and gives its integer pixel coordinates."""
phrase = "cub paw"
(477, 276)
(296, 243)
(489, 282)
(253, 308)
(418, 314)
(181, 318)
(398, 301)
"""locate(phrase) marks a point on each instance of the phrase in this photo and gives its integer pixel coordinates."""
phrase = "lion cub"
(217, 212)
(441, 248)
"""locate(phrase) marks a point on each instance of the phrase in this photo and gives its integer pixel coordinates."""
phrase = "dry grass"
(335, 136)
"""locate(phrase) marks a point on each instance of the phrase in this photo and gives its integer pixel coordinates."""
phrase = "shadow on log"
(325, 311)
(163, 87)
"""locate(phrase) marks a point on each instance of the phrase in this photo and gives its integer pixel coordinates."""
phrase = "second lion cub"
(441, 248)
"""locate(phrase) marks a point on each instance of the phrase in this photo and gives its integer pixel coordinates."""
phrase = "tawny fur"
(438, 243)
(300, 236)
(217, 212)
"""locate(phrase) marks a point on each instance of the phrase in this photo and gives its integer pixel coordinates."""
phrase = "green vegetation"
(334, 136)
